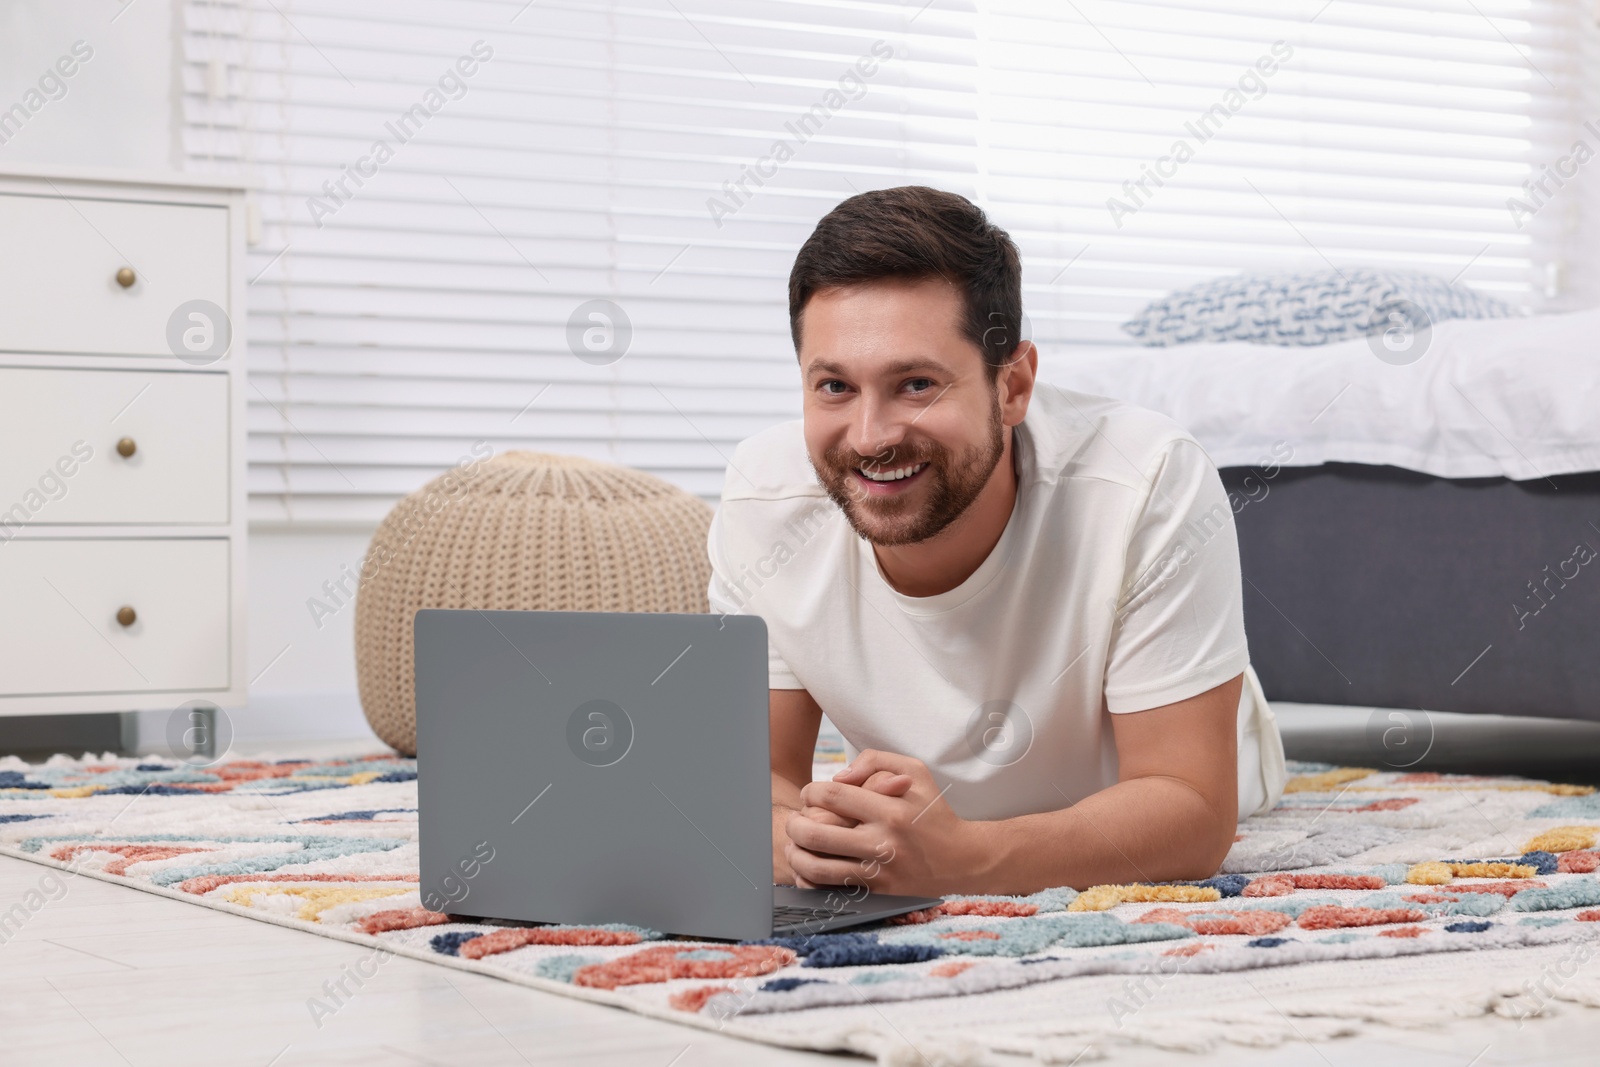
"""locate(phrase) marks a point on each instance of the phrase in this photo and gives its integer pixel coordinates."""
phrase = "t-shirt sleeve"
(1179, 629)
(725, 599)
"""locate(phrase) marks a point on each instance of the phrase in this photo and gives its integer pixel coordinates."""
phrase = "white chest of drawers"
(122, 436)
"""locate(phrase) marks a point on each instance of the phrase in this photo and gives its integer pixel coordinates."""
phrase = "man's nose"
(877, 429)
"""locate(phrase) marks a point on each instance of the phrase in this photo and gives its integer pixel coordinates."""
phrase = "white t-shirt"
(1114, 588)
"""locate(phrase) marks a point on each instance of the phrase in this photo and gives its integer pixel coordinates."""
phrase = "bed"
(1421, 536)
(1379, 586)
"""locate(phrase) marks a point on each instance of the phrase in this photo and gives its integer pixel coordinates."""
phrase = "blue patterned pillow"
(1303, 309)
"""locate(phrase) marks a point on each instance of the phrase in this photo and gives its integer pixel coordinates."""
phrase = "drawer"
(59, 631)
(58, 283)
(59, 431)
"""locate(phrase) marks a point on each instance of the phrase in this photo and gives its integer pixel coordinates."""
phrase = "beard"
(953, 483)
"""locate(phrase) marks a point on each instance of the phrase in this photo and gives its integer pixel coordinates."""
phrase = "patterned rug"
(1354, 865)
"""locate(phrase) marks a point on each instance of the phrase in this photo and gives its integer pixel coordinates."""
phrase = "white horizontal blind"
(430, 309)
(597, 155)
(1389, 133)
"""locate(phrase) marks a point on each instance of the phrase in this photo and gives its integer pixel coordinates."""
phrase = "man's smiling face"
(902, 422)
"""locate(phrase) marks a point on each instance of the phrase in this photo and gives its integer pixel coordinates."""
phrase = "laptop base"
(796, 912)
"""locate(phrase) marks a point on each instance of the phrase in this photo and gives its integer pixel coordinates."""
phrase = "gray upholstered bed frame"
(1375, 586)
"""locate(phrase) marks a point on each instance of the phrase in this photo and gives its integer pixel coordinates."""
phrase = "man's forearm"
(1142, 830)
(1172, 817)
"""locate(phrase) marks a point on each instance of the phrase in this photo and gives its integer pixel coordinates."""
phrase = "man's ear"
(1014, 382)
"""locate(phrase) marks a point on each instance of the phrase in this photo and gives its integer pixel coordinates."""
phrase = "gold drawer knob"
(126, 447)
(127, 616)
(126, 277)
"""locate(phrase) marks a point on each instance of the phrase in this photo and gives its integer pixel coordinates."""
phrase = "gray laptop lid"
(579, 767)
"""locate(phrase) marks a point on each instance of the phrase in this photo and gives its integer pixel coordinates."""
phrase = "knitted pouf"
(522, 530)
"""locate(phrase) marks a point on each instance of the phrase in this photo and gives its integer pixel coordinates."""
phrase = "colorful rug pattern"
(1354, 864)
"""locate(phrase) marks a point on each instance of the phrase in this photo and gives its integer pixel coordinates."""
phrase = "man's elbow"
(1204, 829)
(1211, 849)
(1204, 847)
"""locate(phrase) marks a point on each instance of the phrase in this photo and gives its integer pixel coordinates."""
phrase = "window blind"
(567, 226)
(601, 152)
(1141, 145)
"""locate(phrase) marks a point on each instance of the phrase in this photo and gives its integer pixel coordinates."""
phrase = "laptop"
(607, 767)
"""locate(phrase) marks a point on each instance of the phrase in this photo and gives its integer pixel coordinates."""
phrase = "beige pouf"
(522, 530)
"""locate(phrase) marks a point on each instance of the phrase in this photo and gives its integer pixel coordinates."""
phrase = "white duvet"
(1518, 398)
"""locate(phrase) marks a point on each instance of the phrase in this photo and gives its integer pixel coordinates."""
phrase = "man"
(1020, 605)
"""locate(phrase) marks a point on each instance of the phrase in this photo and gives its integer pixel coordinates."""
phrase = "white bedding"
(1518, 398)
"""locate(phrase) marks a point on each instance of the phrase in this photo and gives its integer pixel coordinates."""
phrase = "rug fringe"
(1295, 1019)
(895, 1049)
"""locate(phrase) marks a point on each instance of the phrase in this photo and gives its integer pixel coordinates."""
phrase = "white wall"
(302, 668)
(1583, 281)
(121, 110)
(119, 106)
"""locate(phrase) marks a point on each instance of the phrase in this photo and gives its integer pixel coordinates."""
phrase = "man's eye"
(832, 381)
(925, 383)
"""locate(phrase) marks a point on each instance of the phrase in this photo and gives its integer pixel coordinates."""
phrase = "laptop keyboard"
(788, 915)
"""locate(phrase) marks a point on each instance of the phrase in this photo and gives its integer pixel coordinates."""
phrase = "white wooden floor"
(111, 975)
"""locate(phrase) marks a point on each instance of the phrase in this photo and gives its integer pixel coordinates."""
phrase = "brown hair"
(915, 232)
